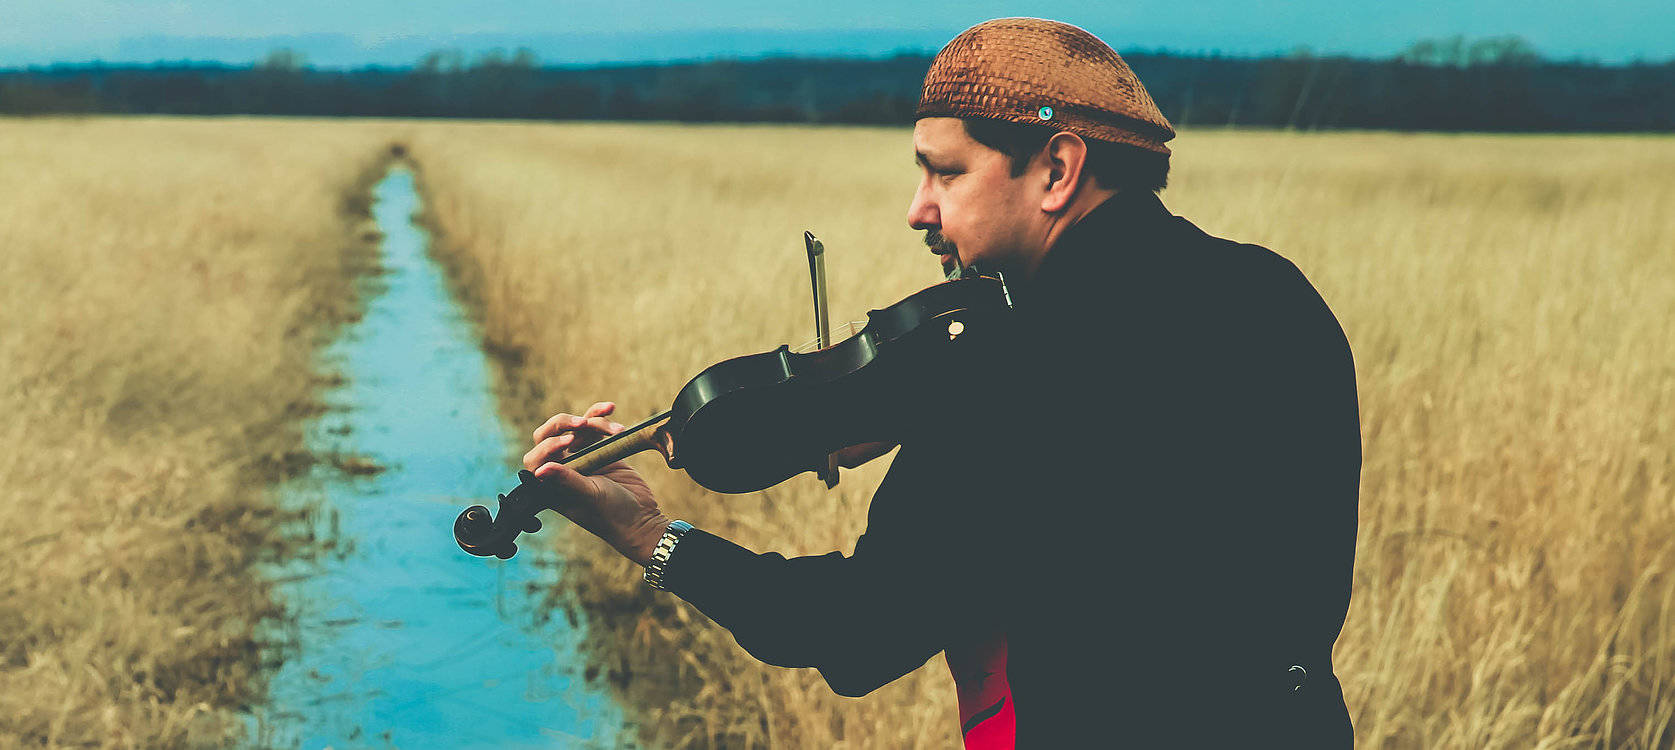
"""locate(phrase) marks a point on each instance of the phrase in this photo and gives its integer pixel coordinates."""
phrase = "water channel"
(401, 639)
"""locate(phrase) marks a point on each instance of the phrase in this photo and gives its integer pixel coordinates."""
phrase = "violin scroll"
(485, 535)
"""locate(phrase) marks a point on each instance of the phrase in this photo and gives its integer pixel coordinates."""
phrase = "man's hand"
(614, 504)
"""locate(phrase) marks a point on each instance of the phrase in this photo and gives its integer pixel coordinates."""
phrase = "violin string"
(853, 326)
(649, 421)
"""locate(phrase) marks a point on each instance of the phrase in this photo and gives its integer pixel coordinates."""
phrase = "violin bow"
(822, 327)
(817, 275)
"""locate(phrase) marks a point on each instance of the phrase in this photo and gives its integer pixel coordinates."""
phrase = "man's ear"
(1065, 155)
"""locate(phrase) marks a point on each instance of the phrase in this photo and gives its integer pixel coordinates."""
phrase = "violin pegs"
(532, 525)
(507, 553)
(526, 476)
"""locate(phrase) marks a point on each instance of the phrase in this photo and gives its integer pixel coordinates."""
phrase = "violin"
(751, 422)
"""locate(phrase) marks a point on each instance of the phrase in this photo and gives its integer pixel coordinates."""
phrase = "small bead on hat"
(1031, 70)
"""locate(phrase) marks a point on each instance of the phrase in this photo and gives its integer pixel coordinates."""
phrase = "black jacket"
(1145, 493)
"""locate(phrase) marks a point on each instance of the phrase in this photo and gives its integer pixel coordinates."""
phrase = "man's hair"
(1115, 166)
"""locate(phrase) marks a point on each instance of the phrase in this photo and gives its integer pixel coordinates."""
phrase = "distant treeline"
(1496, 84)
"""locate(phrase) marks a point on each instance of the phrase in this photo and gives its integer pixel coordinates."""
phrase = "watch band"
(660, 555)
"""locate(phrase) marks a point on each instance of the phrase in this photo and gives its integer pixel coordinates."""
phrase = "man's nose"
(922, 213)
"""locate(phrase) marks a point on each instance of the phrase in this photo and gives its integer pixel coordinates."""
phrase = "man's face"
(970, 206)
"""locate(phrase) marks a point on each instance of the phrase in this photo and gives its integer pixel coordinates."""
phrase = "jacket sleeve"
(915, 580)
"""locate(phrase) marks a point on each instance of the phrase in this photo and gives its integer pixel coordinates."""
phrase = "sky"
(346, 33)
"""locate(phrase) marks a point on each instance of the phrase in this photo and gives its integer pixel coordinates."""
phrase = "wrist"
(643, 539)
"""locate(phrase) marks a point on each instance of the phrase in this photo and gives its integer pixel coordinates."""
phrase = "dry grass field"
(1510, 301)
(163, 284)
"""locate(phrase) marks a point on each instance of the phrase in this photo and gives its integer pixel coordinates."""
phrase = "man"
(1132, 522)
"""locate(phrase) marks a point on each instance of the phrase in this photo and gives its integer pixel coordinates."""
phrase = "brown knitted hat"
(1030, 70)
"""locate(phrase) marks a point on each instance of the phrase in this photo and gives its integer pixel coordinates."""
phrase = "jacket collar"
(1095, 244)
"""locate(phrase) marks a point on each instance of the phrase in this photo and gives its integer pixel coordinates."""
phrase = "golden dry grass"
(1511, 301)
(1511, 304)
(163, 284)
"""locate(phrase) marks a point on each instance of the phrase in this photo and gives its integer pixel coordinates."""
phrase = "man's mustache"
(935, 241)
